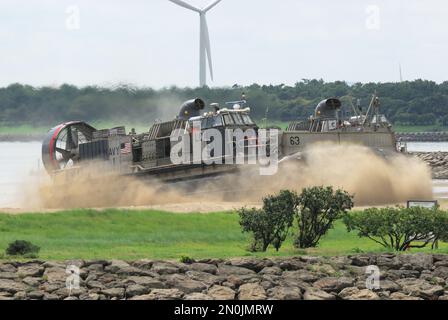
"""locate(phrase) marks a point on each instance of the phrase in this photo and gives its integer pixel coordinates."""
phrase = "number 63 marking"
(295, 141)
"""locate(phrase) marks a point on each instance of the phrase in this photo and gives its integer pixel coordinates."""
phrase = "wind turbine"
(204, 47)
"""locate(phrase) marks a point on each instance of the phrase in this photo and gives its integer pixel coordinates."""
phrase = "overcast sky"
(156, 43)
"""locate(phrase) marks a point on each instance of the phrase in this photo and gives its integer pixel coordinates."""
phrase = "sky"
(155, 43)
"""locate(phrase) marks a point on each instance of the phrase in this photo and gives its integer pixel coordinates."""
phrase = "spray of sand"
(373, 180)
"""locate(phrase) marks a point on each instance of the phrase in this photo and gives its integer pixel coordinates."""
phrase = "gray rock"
(143, 264)
(197, 296)
(117, 265)
(402, 296)
(55, 274)
(7, 267)
(32, 281)
(401, 274)
(221, 293)
(88, 263)
(161, 294)
(388, 285)
(185, 284)
(317, 294)
(36, 295)
(95, 268)
(166, 268)
(333, 284)
(203, 267)
(147, 282)
(285, 293)
(441, 263)
(389, 262)
(361, 260)
(205, 277)
(136, 290)
(114, 293)
(11, 286)
(251, 291)
(302, 275)
(251, 263)
(354, 293)
(418, 261)
(340, 262)
(20, 295)
(441, 272)
(234, 270)
(271, 270)
(8, 275)
(95, 285)
(310, 259)
(64, 292)
(31, 270)
(421, 288)
(49, 296)
(291, 264)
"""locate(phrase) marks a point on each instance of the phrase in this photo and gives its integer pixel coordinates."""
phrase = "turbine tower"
(204, 46)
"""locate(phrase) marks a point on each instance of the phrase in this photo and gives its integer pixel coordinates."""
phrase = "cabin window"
(204, 124)
(228, 119)
(247, 119)
(237, 118)
(217, 122)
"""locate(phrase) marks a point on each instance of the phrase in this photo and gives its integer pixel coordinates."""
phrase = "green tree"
(270, 225)
(319, 208)
(399, 228)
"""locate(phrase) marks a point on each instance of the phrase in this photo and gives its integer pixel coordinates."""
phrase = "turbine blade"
(185, 5)
(211, 5)
(208, 50)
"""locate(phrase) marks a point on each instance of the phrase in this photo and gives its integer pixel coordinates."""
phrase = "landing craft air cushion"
(73, 145)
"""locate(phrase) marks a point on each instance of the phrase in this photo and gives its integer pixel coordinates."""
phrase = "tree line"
(418, 102)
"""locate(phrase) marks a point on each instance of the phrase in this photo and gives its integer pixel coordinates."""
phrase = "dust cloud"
(370, 177)
(373, 179)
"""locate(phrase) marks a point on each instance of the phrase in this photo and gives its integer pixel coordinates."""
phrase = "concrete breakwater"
(422, 136)
(402, 277)
(438, 162)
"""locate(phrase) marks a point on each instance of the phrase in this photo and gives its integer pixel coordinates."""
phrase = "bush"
(318, 208)
(22, 248)
(399, 228)
(186, 260)
(270, 224)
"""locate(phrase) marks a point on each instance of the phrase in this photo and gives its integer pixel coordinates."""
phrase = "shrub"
(318, 208)
(186, 260)
(22, 248)
(399, 228)
(270, 224)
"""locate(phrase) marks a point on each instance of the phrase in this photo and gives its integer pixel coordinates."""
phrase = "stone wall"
(415, 277)
(437, 161)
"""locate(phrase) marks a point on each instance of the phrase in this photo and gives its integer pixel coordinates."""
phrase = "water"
(19, 160)
(427, 146)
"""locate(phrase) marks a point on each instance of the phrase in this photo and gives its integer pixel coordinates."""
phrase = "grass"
(125, 234)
